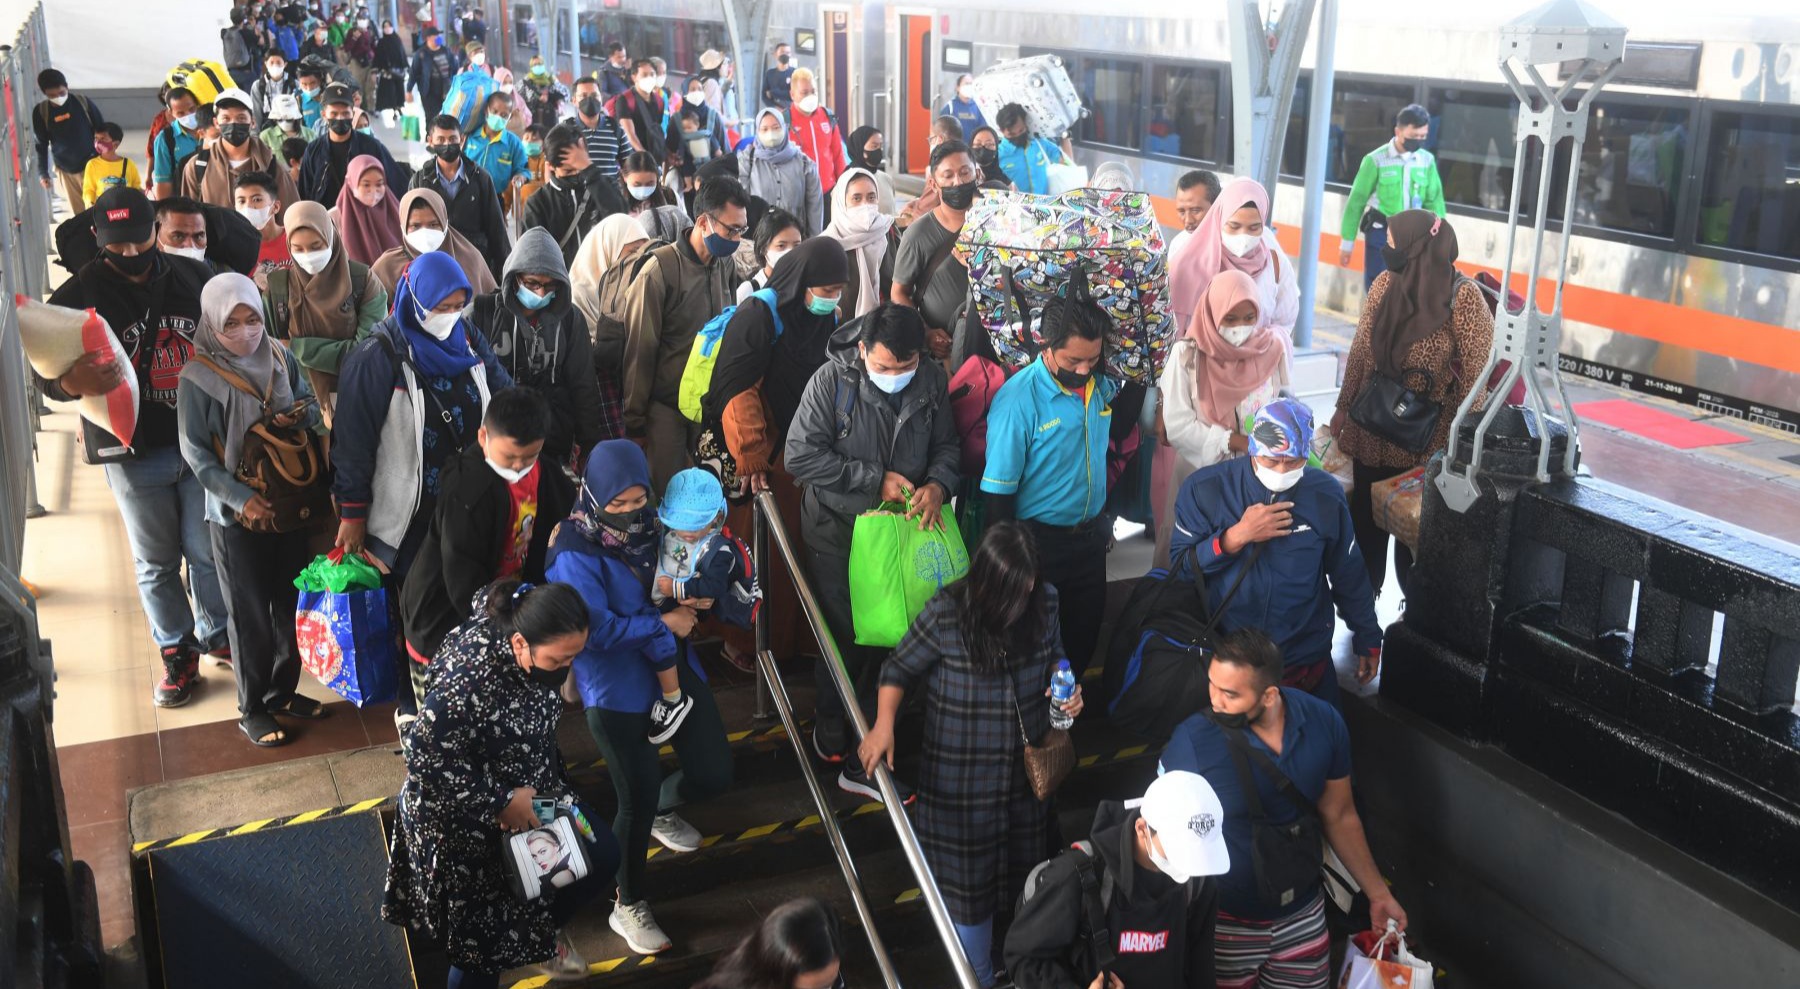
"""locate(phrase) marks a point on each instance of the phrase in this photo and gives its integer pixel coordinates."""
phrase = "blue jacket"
(287, 38)
(1289, 591)
(627, 640)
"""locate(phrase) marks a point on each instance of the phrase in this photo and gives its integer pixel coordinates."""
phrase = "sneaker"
(181, 670)
(220, 657)
(666, 717)
(634, 923)
(568, 965)
(854, 780)
(829, 739)
(675, 834)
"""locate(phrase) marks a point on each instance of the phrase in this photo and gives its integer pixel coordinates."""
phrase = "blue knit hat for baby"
(694, 499)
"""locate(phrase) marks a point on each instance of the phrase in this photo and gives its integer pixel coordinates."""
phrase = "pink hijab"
(368, 231)
(1204, 256)
(1224, 375)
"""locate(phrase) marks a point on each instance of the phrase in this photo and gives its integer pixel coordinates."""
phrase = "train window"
(1472, 137)
(1362, 119)
(1113, 88)
(1751, 199)
(1632, 166)
(1186, 112)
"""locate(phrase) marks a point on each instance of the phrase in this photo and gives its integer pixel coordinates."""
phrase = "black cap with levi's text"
(123, 215)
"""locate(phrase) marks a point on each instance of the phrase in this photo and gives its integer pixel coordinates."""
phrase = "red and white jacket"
(818, 136)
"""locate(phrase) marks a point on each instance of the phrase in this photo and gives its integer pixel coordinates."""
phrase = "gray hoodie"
(841, 459)
(547, 349)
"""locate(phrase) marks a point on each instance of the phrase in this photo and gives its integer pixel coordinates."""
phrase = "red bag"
(972, 391)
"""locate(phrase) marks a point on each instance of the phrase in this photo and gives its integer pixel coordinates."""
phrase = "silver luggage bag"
(1041, 85)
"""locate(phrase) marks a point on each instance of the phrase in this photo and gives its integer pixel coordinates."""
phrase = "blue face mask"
(893, 384)
(720, 247)
(818, 305)
(532, 300)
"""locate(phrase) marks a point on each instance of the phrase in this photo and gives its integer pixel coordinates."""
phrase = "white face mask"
(478, 59)
(425, 240)
(507, 474)
(892, 384)
(860, 218)
(1275, 480)
(194, 253)
(1240, 244)
(775, 256)
(277, 71)
(60, 100)
(258, 216)
(439, 324)
(1236, 335)
(647, 84)
(965, 93)
(312, 262)
(370, 197)
(1166, 867)
(808, 104)
(771, 139)
(660, 81)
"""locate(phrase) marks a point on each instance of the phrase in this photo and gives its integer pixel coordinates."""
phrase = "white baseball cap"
(234, 95)
(1183, 810)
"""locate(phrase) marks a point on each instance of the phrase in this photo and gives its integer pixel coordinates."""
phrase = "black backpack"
(1096, 898)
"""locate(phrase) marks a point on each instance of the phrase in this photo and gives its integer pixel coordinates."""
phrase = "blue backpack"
(696, 377)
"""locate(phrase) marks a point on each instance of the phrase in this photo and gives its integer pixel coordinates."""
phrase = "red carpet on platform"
(1655, 424)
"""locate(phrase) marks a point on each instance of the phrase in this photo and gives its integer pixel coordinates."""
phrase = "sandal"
(263, 730)
(305, 708)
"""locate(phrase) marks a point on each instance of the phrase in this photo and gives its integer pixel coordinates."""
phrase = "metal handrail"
(768, 518)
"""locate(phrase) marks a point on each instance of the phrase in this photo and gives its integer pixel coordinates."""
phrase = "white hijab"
(866, 236)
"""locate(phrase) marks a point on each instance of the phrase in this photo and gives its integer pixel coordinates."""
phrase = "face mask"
(641, 192)
(190, 121)
(589, 106)
(60, 100)
(137, 264)
(552, 679)
(1072, 380)
(771, 139)
(539, 70)
(425, 240)
(312, 262)
(507, 88)
(630, 523)
(775, 256)
(439, 324)
(965, 93)
(1275, 480)
(532, 300)
(659, 82)
(959, 197)
(874, 158)
(1240, 244)
(495, 122)
(860, 217)
(892, 384)
(1237, 721)
(446, 152)
(781, 60)
(1412, 144)
(987, 157)
(366, 130)
(340, 126)
(258, 216)
(532, 149)
(696, 97)
(1236, 335)
(245, 341)
(362, 22)
(236, 135)
(819, 305)
(277, 71)
(309, 94)
(720, 247)
(509, 475)
(191, 253)
(103, 149)
(1021, 141)
(370, 197)
(1167, 868)
(646, 85)
(808, 104)
(478, 59)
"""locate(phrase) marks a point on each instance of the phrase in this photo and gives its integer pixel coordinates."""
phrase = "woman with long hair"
(799, 945)
(983, 650)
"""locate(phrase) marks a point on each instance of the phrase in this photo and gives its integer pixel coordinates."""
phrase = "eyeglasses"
(538, 285)
(729, 230)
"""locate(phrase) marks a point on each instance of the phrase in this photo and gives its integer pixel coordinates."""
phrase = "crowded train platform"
(665, 493)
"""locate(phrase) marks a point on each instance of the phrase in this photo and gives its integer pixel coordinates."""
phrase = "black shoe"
(181, 670)
(666, 717)
(854, 780)
(830, 740)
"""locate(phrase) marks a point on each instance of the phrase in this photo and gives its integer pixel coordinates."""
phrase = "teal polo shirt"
(1047, 445)
(1028, 167)
(503, 157)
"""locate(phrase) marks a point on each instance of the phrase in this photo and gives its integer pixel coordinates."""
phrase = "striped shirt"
(603, 144)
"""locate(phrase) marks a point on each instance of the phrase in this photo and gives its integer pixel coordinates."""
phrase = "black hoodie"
(1161, 933)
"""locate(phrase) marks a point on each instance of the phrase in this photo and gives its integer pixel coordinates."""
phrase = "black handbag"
(1287, 857)
(1387, 408)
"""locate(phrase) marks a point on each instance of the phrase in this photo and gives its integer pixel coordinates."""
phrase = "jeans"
(602, 859)
(1073, 560)
(637, 775)
(257, 572)
(164, 509)
(978, 944)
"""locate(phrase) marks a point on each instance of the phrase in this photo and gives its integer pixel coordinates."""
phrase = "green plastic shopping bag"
(895, 568)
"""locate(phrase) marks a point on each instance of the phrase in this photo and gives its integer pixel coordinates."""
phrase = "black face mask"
(340, 126)
(986, 157)
(137, 264)
(1072, 380)
(1021, 141)
(631, 523)
(446, 152)
(589, 106)
(1394, 258)
(874, 158)
(783, 60)
(547, 678)
(1412, 144)
(235, 135)
(959, 197)
(1235, 721)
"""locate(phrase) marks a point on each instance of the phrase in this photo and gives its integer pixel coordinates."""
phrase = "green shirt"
(1398, 180)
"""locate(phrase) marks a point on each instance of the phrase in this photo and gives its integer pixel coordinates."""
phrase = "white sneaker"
(568, 965)
(634, 923)
(675, 834)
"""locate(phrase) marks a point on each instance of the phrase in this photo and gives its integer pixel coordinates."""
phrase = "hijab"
(613, 467)
(1203, 255)
(599, 251)
(1420, 295)
(1223, 375)
(774, 156)
(751, 352)
(391, 265)
(369, 231)
(321, 303)
(429, 280)
(869, 240)
(858, 139)
(222, 294)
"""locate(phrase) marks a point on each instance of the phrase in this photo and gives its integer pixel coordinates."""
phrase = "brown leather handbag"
(1046, 765)
(284, 464)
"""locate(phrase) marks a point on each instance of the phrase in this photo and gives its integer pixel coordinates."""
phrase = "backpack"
(696, 378)
(1096, 899)
(608, 332)
(236, 49)
(972, 392)
(1155, 674)
(284, 464)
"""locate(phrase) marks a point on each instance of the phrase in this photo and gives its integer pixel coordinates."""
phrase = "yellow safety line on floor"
(305, 817)
(594, 968)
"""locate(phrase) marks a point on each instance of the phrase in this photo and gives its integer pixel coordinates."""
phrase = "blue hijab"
(613, 467)
(429, 280)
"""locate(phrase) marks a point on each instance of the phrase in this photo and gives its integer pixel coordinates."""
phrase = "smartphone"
(544, 808)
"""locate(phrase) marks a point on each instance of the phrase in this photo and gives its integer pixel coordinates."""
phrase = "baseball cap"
(1183, 810)
(340, 94)
(236, 96)
(123, 215)
(693, 500)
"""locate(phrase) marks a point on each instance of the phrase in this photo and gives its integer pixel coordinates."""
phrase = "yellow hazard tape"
(360, 807)
(594, 968)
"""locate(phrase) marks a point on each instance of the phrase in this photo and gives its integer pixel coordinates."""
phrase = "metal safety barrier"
(768, 523)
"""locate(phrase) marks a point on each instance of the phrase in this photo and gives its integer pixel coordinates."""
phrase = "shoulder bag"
(1287, 857)
(1046, 765)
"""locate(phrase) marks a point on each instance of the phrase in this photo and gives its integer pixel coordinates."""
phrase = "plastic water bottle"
(1062, 687)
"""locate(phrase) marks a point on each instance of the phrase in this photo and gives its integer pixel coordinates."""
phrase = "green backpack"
(696, 377)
